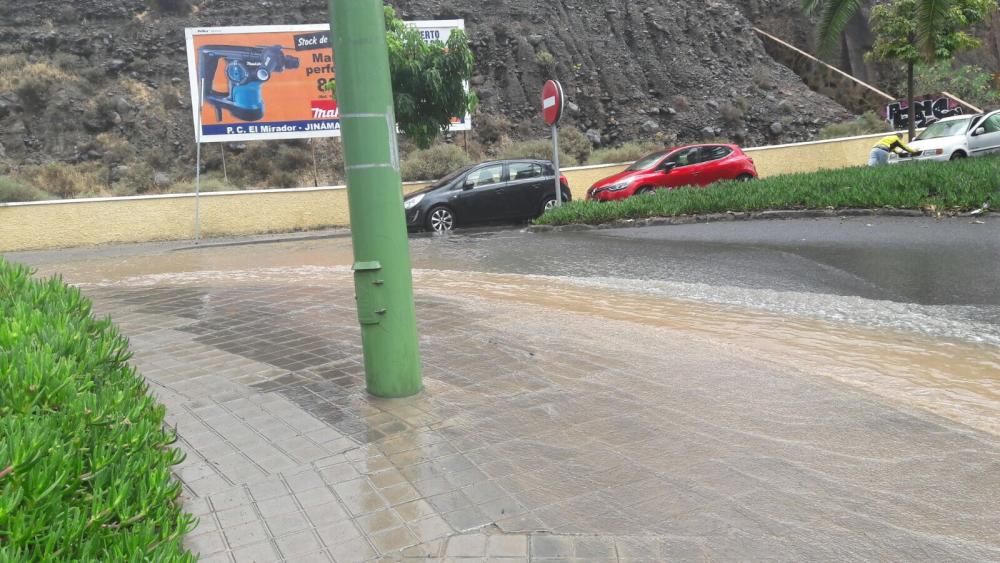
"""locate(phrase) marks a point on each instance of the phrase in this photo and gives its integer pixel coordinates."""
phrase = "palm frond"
(834, 18)
(931, 15)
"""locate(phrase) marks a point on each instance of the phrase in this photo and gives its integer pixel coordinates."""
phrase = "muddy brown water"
(958, 380)
(952, 378)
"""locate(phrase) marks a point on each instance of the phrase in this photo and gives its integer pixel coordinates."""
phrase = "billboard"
(257, 83)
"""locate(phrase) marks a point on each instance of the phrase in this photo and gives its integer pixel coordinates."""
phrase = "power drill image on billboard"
(247, 69)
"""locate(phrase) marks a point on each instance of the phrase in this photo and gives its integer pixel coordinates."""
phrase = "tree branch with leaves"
(928, 31)
(907, 31)
(428, 79)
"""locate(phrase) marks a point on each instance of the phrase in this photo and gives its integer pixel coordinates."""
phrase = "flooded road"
(906, 309)
(923, 261)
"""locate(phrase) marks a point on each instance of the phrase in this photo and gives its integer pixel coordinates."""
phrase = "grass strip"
(945, 186)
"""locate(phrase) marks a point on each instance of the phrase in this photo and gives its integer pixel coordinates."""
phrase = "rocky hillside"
(105, 80)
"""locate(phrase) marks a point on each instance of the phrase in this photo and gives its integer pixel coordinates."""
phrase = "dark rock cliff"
(78, 79)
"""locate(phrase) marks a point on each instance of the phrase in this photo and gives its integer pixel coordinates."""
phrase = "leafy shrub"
(943, 185)
(575, 143)
(59, 179)
(761, 77)
(284, 180)
(545, 60)
(293, 159)
(171, 98)
(969, 82)
(139, 179)
(67, 14)
(209, 183)
(540, 149)
(84, 457)
(267, 164)
(433, 163)
(161, 159)
(34, 84)
(629, 152)
(492, 129)
(68, 62)
(100, 114)
(329, 160)
(732, 114)
(114, 149)
(866, 124)
(10, 70)
(12, 190)
(254, 165)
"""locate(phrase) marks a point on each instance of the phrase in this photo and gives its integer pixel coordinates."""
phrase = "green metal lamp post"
(382, 276)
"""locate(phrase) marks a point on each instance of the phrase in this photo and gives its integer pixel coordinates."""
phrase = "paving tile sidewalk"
(528, 446)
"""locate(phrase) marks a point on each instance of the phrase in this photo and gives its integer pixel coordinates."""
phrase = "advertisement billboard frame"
(196, 86)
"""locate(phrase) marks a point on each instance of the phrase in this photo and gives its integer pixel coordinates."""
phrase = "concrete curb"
(738, 216)
(264, 238)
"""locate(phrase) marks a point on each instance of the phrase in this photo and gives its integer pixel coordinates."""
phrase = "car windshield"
(647, 162)
(945, 129)
(447, 179)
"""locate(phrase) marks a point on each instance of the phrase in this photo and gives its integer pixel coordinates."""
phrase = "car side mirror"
(978, 132)
(668, 166)
(468, 184)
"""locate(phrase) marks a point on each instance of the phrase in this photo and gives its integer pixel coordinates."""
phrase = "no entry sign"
(552, 108)
(552, 102)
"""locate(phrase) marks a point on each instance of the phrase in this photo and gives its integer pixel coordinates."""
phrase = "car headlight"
(413, 201)
(618, 187)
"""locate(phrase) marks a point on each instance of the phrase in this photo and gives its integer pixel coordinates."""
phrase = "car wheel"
(645, 190)
(548, 204)
(440, 220)
(958, 155)
(744, 178)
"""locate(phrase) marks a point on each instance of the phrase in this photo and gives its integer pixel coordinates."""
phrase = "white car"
(956, 137)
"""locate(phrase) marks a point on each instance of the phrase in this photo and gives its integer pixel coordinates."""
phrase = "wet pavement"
(563, 419)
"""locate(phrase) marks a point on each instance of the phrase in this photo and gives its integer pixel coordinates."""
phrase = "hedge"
(85, 461)
(944, 186)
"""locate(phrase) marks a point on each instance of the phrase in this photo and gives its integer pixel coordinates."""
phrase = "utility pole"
(383, 280)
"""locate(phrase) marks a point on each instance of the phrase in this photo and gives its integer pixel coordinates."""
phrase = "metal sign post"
(552, 109)
(222, 151)
(197, 172)
(555, 163)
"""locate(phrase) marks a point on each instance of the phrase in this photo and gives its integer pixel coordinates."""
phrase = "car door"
(988, 141)
(685, 168)
(714, 166)
(481, 195)
(526, 187)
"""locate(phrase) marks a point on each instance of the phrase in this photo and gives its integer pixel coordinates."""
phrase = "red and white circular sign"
(552, 102)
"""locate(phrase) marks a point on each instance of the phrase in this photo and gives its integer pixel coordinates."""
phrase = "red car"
(696, 165)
